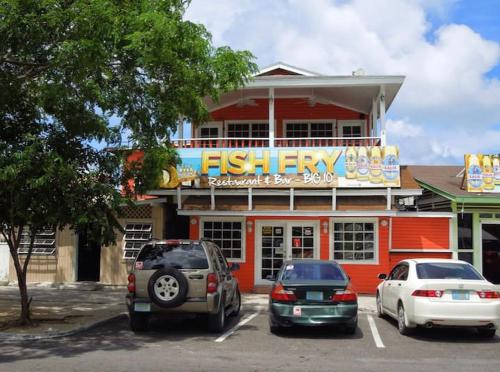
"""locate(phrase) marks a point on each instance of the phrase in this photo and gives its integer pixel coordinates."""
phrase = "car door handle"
(399, 285)
(388, 284)
(196, 276)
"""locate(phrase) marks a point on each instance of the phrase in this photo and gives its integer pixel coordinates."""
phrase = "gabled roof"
(443, 180)
(286, 67)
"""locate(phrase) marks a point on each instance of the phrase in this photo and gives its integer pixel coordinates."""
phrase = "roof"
(285, 67)
(430, 260)
(443, 180)
(355, 91)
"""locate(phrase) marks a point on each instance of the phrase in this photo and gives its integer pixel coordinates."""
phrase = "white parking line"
(376, 335)
(236, 327)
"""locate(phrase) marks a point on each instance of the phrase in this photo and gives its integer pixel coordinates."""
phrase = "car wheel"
(380, 312)
(402, 326)
(139, 322)
(217, 321)
(351, 328)
(168, 287)
(236, 303)
(486, 332)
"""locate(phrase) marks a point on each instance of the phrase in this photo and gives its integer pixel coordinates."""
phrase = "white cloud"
(446, 90)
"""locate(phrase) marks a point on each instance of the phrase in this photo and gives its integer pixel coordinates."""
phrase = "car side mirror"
(382, 276)
(234, 266)
(271, 278)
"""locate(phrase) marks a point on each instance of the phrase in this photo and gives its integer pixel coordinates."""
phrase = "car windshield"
(447, 270)
(312, 271)
(180, 256)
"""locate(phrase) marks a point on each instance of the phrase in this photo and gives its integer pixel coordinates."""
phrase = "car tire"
(486, 332)
(168, 287)
(351, 328)
(402, 326)
(217, 321)
(139, 322)
(380, 312)
(236, 303)
(274, 329)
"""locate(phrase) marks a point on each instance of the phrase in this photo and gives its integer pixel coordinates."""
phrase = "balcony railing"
(278, 142)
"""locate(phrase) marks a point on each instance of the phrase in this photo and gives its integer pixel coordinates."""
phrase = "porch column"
(381, 101)
(375, 117)
(271, 117)
(180, 129)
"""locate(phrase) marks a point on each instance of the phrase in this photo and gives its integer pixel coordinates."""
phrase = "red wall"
(284, 109)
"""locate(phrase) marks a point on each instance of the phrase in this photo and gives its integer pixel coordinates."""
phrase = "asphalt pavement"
(247, 345)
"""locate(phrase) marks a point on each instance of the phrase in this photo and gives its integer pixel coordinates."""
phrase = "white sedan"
(439, 292)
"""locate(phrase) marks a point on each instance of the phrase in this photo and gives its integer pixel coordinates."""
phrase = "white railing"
(278, 142)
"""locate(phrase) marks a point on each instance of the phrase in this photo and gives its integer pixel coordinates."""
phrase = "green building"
(476, 224)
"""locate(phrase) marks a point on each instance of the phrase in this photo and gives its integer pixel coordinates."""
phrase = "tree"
(78, 73)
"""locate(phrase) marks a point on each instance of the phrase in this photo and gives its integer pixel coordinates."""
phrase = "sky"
(448, 50)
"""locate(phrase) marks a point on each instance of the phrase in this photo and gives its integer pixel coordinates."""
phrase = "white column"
(375, 117)
(271, 117)
(381, 101)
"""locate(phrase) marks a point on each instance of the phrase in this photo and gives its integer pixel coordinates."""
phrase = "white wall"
(4, 261)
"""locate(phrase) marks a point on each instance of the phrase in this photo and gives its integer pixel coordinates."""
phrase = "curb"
(5, 336)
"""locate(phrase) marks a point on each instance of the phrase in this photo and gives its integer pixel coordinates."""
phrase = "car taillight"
(345, 296)
(279, 293)
(131, 283)
(428, 293)
(488, 294)
(212, 283)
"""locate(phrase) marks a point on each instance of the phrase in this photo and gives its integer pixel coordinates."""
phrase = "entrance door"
(490, 236)
(277, 241)
(89, 257)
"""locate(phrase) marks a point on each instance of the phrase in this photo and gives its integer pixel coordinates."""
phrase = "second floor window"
(248, 130)
(310, 130)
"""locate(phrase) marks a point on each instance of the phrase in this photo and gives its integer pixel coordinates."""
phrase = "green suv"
(175, 277)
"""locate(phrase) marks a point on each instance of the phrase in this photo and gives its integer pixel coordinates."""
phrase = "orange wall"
(284, 109)
(425, 233)
(363, 276)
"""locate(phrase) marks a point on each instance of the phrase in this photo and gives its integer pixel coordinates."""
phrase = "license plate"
(314, 296)
(142, 307)
(297, 311)
(459, 295)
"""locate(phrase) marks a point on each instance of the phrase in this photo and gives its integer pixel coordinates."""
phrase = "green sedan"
(312, 293)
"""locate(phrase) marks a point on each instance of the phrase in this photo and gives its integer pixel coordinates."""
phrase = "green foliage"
(74, 73)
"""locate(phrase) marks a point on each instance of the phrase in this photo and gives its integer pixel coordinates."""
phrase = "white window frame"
(24, 247)
(249, 123)
(375, 222)
(227, 219)
(309, 122)
(351, 123)
(209, 124)
(135, 222)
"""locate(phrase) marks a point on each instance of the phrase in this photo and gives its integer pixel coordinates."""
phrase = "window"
(351, 128)
(444, 270)
(465, 237)
(227, 234)
(248, 130)
(209, 132)
(313, 271)
(44, 244)
(310, 130)
(136, 235)
(180, 256)
(354, 241)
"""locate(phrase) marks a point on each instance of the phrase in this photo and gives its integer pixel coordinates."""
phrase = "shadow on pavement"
(448, 334)
(323, 332)
(113, 336)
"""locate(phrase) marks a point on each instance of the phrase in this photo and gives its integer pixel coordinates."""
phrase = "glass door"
(271, 245)
(303, 241)
(490, 237)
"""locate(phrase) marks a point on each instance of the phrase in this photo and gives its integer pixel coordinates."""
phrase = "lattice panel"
(139, 212)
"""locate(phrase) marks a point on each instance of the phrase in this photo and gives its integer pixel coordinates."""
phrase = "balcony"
(278, 142)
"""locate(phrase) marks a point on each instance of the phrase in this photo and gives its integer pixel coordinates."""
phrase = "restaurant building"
(293, 165)
(475, 228)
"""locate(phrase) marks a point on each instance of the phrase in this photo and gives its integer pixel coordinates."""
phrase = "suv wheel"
(168, 287)
(236, 303)
(217, 321)
(139, 322)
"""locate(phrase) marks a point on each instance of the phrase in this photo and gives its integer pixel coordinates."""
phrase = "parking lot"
(247, 344)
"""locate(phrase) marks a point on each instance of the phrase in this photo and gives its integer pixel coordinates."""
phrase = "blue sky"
(449, 52)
